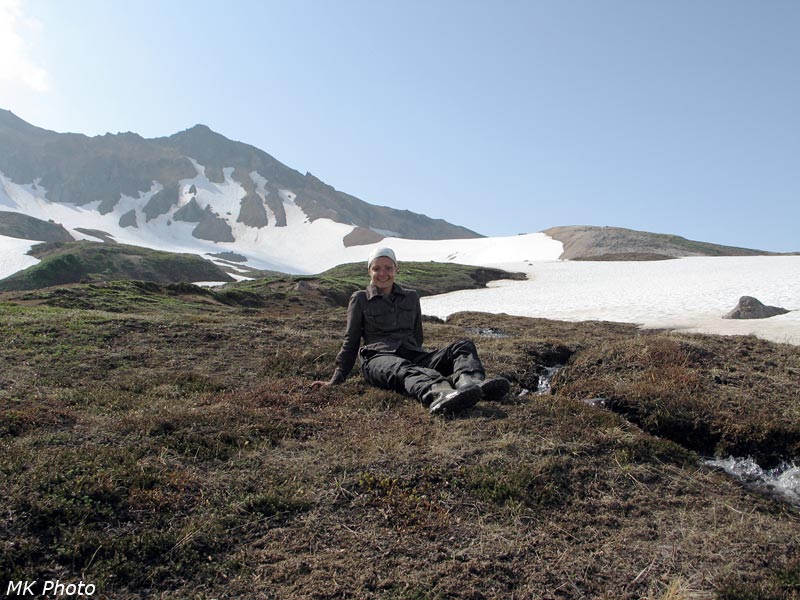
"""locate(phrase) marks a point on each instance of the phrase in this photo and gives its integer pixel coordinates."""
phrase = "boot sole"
(457, 401)
(495, 389)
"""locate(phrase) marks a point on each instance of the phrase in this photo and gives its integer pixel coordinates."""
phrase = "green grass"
(425, 277)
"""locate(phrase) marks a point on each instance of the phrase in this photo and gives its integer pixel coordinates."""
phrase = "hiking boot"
(492, 389)
(442, 398)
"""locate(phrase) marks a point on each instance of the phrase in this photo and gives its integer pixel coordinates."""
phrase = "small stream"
(545, 382)
(782, 482)
(546, 379)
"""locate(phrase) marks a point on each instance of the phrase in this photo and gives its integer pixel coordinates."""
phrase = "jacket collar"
(372, 291)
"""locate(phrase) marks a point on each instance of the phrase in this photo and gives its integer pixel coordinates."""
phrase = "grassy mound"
(177, 450)
(281, 293)
(584, 242)
(336, 285)
(136, 296)
(75, 262)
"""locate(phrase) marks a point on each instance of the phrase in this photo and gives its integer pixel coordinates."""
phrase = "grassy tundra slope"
(169, 446)
(73, 262)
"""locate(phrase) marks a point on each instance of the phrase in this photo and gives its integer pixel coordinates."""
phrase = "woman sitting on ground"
(388, 318)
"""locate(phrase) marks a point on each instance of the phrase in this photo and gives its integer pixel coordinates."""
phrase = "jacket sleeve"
(352, 339)
(418, 323)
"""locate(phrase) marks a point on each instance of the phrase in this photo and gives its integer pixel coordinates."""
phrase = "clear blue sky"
(673, 116)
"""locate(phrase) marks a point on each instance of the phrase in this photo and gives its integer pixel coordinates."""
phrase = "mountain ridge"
(590, 242)
(77, 169)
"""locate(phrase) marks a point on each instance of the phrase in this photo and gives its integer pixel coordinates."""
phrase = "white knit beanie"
(378, 252)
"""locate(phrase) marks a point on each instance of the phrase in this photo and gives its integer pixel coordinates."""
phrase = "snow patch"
(224, 199)
(129, 203)
(385, 232)
(287, 196)
(262, 192)
(5, 196)
(14, 255)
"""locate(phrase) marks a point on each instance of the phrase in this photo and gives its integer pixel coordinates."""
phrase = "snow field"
(690, 294)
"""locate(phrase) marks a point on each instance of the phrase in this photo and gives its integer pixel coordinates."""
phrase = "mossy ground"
(173, 448)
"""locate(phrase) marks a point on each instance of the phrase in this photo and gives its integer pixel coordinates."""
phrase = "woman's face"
(381, 273)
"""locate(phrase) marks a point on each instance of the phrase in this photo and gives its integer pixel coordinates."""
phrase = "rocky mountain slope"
(106, 170)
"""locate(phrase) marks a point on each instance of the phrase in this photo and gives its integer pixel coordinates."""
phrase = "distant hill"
(87, 262)
(583, 242)
(22, 226)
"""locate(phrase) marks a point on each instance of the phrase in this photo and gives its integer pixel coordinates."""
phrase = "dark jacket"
(386, 324)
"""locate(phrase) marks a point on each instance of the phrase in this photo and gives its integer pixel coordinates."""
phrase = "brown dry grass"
(724, 396)
(181, 454)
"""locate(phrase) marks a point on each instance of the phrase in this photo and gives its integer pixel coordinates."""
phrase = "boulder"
(752, 308)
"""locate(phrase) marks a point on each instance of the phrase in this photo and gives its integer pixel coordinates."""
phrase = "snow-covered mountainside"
(195, 191)
(107, 169)
(302, 245)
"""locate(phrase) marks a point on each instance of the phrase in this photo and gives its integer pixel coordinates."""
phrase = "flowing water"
(782, 481)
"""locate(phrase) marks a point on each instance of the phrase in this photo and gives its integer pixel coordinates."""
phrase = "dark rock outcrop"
(752, 308)
(161, 202)
(189, 212)
(361, 236)
(129, 219)
(213, 228)
(230, 257)
(252, 212)
(98, 234)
